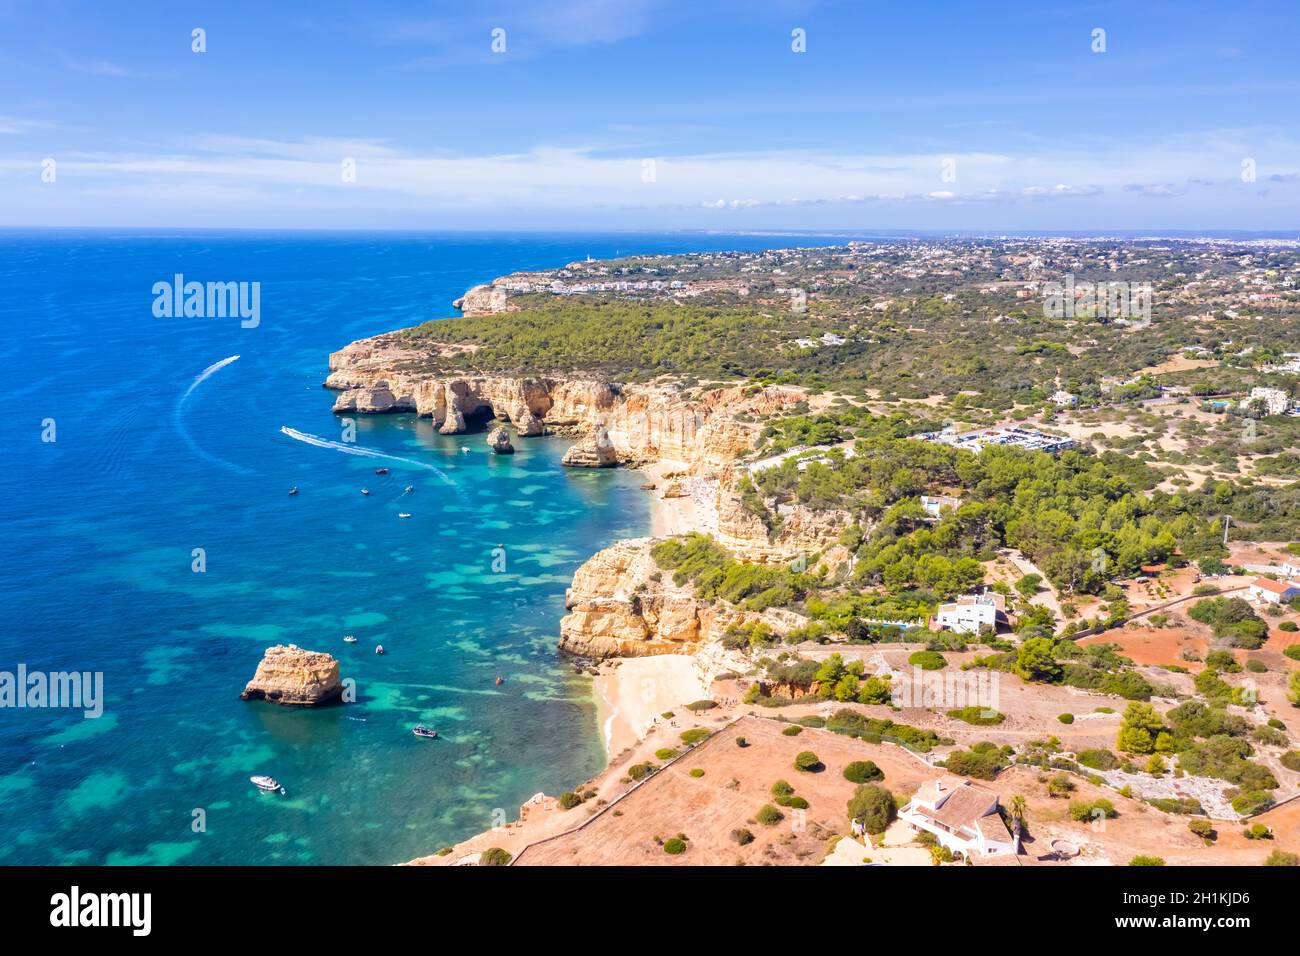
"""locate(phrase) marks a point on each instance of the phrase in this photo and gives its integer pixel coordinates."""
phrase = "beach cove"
(172, 436)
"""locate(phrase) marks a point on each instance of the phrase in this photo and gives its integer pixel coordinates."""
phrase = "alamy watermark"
(952, 690)
(210, 300)
(1110, 300)
(78, 690)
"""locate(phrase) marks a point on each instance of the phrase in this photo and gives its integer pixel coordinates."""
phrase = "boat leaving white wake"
(180, 426)
(348, 449)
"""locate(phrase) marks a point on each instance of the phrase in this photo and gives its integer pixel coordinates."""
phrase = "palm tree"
(1018, 809)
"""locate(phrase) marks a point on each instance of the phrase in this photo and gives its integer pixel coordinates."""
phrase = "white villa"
(1275, 400)
(971, 612)
(934, 504)
(1268, 591)
(962, 815)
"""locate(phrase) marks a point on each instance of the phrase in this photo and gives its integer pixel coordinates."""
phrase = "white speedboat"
(266, 784)
(403, 514)
(349, 639)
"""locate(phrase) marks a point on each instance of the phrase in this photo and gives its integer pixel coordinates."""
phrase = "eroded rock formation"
(498, 440)
(293, 676)
(594, 451)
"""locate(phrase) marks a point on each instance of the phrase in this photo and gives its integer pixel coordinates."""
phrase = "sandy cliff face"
(645, 422)
(622, 605)
(291, 675)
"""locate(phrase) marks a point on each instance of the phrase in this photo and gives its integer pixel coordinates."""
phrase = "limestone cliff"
(619, 603)
(293, 676)
(622, 605)
(645, 422)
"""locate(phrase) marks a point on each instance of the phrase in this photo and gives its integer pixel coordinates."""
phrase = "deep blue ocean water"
(99, 528)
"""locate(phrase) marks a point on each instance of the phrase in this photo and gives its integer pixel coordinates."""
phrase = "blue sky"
(636, 114)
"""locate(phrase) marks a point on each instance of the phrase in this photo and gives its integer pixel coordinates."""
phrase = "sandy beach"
(632, 694)
(675, 515)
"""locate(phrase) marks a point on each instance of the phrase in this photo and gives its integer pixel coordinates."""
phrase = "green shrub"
(697, 771)
(1086, 811)
(1060, 786)
(928, 660)
(1186, 806)
(1257, 831)
(982, 761)
(873, 807)
(569, 800)
(1280, 858)
(1292, 651)
(639, 771)
(494, 856)
(700, 705)
(769, 815)
(863, 771)
(742, 742)
(979, 716)
(1288, 626)
(666, 753)
(794, 730)
(782, 788)
(674, 845)
(1291, 760)
(807, 762)
(695, 735)
(794, 802)
(1202, 827)
(1252, 802)
(742, 836)
(1065, 718)
(1098, 759)
(1141, 860)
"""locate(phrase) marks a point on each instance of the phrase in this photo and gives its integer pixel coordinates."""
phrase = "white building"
(962, 816)
(1268, 591)
(971, 612)
(934, 504)
(1275, 400)
(1065, 399)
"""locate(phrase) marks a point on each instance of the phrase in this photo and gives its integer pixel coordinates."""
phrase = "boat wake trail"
(180, 425)
(349, 449)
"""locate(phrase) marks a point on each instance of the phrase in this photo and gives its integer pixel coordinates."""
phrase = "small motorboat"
(403, 514)
(293, 491)
(379, 648)
(464, 449)
(266, 784)
(349, 639)
(365, 491)
(408, 489)
(423, 731)
(500, 681)
(381, 471)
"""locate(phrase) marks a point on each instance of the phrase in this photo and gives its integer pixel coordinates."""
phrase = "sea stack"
(528, 424)
(594, 451)
(498, 440)
(292, 676)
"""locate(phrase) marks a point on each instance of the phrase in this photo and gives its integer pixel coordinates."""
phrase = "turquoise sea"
(150, 463)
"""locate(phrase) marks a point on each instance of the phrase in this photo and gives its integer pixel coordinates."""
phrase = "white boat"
(403, 514)
(349, 639)
(266, 784)
(408, 489)
(365, 491)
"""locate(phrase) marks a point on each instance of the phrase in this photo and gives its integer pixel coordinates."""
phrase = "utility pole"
(1227, 522)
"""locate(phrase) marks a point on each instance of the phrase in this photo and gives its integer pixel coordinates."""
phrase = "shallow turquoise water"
(99, 528)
